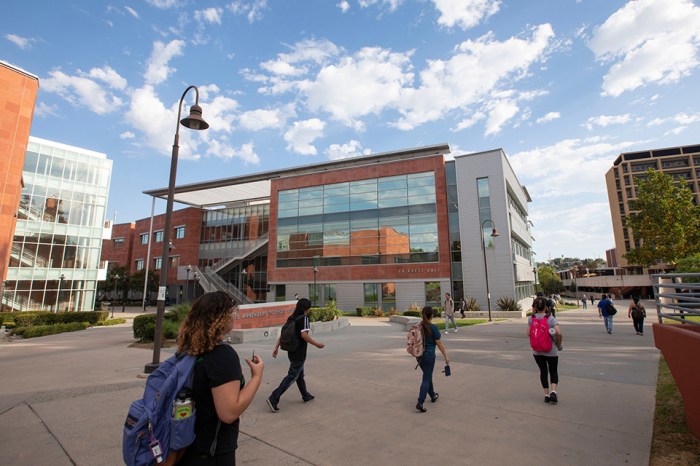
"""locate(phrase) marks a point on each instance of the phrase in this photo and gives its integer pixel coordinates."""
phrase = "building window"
(371, 294)
(280, 292)
(158, 236)
(388, 296)
(144, 238)
(139, 264)
(174, 262)
(432, 294)
(118, 242)
(482, 186)
(179, 232)
(157, 262)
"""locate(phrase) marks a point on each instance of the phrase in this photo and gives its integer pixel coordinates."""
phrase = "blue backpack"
(151, 432)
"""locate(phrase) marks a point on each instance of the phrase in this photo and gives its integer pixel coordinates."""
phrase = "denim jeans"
(608, 323)
(427, 365)
(296, 373)
(447, 322)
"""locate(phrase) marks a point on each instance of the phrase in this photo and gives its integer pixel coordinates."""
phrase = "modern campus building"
(18, 91)
(54, 260)
(386, 230)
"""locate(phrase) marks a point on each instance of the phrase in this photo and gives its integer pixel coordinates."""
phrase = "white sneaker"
(446, 332)
(455, 330)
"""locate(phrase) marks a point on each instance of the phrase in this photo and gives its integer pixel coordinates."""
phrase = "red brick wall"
(186, 249)
(364, 272)
(119, 253)
(17, 99)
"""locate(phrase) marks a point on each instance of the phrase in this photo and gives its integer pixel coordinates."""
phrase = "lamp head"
(195, 121)
(495, 232)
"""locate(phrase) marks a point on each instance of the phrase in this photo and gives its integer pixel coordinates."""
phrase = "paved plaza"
(64, 398)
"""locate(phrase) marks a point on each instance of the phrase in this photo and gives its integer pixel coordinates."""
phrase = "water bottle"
(183, 407)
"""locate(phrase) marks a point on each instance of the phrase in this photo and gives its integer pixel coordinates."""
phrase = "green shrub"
(412, 313)
(393, 312)
(179, 312)
(377, 312)
(325, 314)
(105, 323)
(472, 305)
(508, 304)
(364, 311)
(43, 330)
(141, 324)
(26, 319)
(145, 326)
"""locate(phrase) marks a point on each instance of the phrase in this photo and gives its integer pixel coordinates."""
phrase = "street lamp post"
(58, 295)
(494, 234)
(315, 291)
(243, 281)
(193, 121)
(187, 284)
(194, 286)
(114, 298)
(573, 274)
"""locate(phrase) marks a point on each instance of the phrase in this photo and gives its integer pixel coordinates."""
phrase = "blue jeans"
(296, 373)
(608, 323)
(447, 322)
(427, 365)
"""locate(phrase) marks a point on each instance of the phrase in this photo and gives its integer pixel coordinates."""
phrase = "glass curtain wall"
(373, 221)
(56, 249)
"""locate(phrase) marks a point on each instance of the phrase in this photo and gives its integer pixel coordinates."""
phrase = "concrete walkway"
(64, 398)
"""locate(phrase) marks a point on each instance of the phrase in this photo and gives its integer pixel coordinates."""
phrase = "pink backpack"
(415, 344)
(540, 340)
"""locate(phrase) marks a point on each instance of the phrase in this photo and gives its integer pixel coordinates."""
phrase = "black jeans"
(295, 373)
(638, 324)
(547, 364)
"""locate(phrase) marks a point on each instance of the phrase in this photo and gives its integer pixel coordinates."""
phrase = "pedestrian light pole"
(193, 121)
(494, 234)
(114, 299)
(58, 295)
(187, 284)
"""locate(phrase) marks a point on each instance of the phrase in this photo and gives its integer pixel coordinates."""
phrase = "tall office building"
(55, 255)
(628, 168)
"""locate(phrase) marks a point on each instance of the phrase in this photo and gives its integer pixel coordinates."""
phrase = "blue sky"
(562, 86)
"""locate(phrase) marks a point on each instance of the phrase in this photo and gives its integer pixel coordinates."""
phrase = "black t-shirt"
(212, 369)
(302, 323)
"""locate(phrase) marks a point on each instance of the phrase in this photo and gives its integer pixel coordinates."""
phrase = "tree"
(664, 221)
(108, 285)
(137, 278)
(690, 264)
(549, 280)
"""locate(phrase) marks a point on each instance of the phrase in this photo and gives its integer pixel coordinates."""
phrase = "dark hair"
(635, 299)
(302, 305)
(539, 304)
(203, 326)
(427, 314)
(604, 296)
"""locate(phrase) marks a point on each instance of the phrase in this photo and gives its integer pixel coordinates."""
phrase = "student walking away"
(449, 313)
(592, 300)
(219, 391)
(606, 310)
(427, 360)
(462, 307)
(584, 300)
(297, 357)
(542, 328)
(552, 305)
(638, 313)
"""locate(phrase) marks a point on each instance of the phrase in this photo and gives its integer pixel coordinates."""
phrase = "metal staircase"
(251, 248)
(210, 281)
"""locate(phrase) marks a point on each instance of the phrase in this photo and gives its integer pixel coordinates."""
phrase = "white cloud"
(157, 69)
(22, 42)
(209, 15)
(549, 117)
(219, 113)
(680, 118)
(470, 121)
(648, 41)
(81, 91)
(44, 110)
(107, 75)
(225, 151)
(302, 134)
(127, 135)
(501, 111)
(256, 120)
(465, 13)
(131, 11)
(391, 4)
(163, 4)
(252, 10)
(344, 6)
(607, 120)
(314, 51)
(343, 151)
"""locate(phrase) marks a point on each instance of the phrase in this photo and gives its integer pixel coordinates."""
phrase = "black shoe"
(420, 408)
(309, 399)
(273, 406)
(553, 397)
(433, 399)
(547, 399)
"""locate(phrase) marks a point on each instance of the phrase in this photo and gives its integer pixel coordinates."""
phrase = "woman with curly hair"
(431, 337)
(219, 391)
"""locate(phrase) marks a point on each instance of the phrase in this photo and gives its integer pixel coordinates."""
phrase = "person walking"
(462, 307)
(219, 390)
(638, 313)
(449, 308)
(592, 300)
(431, 335)
(296, 358)
(584, 300)
(547, 361)
(604, 312)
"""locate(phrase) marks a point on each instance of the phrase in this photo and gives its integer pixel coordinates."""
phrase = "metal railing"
(223, 285)
(250, 247)
(203, 281)
(677, 297)
(27, 256)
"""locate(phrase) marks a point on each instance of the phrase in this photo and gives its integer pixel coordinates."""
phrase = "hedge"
(43, 330)
(27, 319)
(145, 326)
